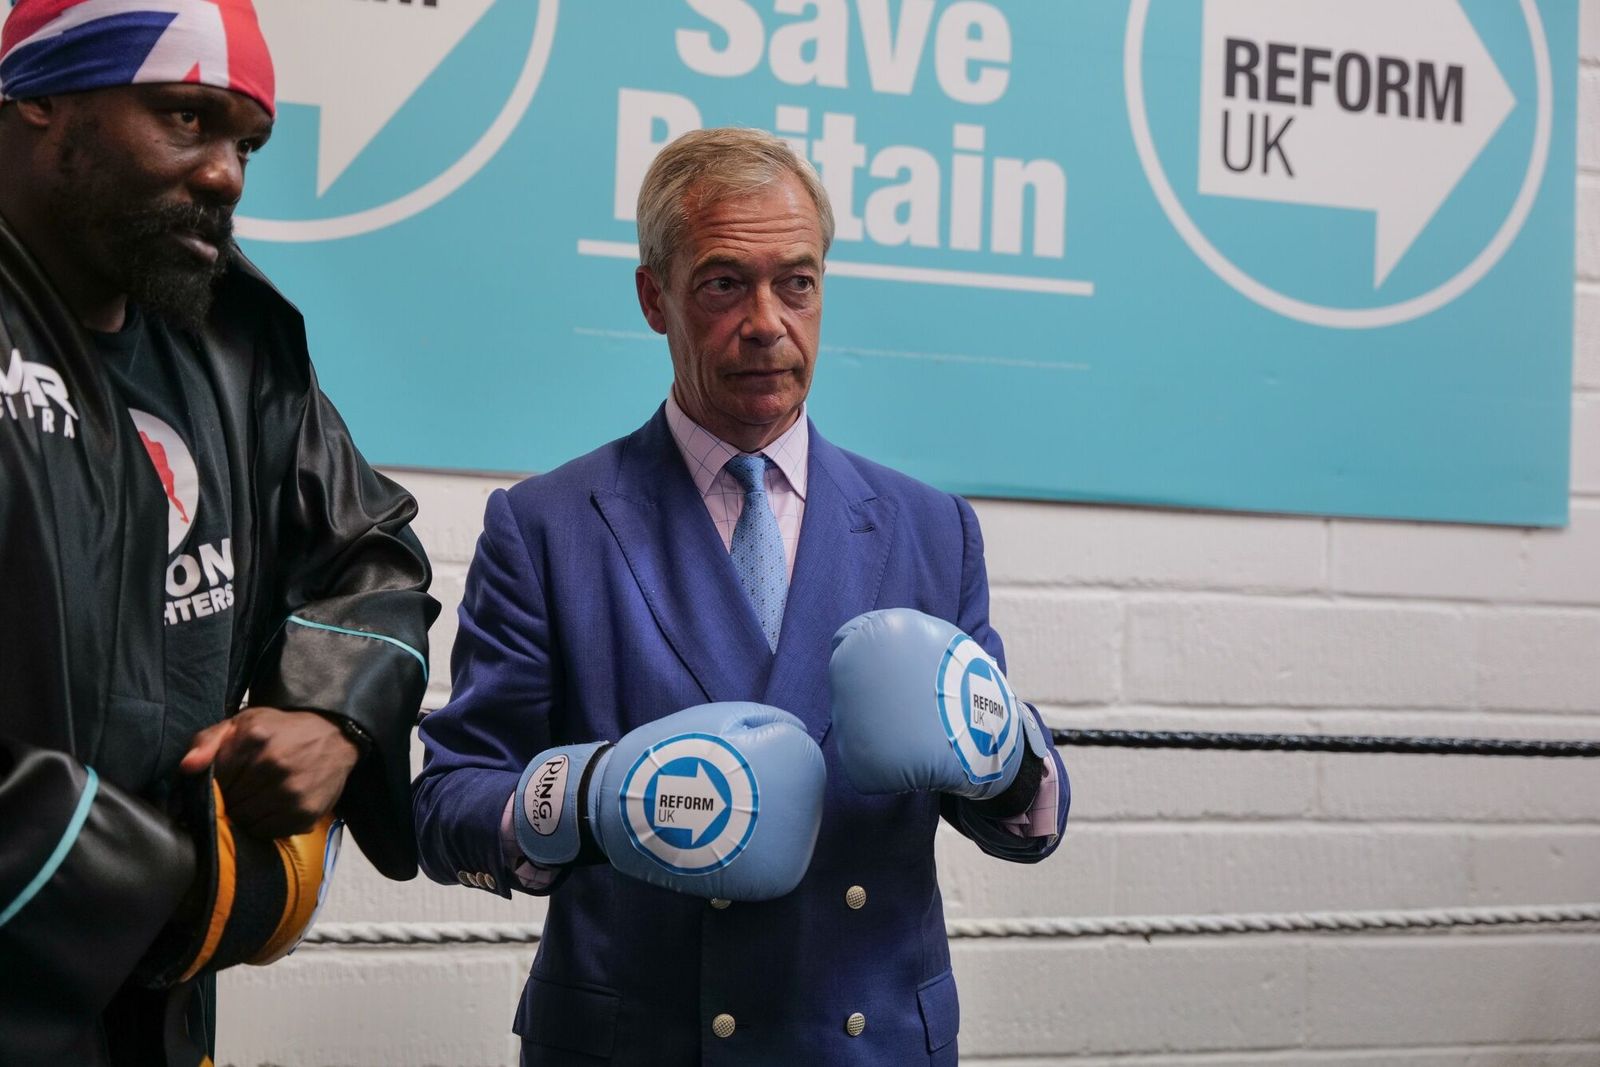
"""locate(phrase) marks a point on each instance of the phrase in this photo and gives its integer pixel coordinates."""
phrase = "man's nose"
(763, 323)
(220, 175)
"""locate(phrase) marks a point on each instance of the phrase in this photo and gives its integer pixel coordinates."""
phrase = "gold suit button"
(722, 1025)
(719, 903)
(855, 1024)
(855, 898)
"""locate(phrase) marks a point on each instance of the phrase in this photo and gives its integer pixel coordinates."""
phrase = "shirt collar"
(704, 453)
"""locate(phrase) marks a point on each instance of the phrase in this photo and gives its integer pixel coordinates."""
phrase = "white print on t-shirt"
(175, 467)
(32, 392)
(199, 582)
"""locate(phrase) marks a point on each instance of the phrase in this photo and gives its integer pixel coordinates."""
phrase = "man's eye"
(720, 285)
(803, 283)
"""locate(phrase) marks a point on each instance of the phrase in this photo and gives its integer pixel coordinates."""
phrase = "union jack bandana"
(68, 46)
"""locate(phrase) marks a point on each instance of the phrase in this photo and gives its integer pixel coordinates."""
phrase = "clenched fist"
(280, 771)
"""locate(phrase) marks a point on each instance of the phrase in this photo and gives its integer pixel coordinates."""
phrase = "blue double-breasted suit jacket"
(601, 598)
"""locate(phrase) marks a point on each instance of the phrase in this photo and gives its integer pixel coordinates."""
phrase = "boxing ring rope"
(1145, 926)
(1409, 746)
(369, 934)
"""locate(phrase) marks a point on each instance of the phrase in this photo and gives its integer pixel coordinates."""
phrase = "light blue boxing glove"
(720, 800)
(917, 704)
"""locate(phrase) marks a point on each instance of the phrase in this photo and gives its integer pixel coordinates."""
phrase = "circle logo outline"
(441, 186)
(952, 691)
(743, 807)
(1303, 310)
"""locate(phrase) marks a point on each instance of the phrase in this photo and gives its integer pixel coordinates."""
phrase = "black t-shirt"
(175, 411)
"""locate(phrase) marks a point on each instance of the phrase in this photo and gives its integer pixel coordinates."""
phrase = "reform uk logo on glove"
(386, 109)
(690, 803)
(977, 708)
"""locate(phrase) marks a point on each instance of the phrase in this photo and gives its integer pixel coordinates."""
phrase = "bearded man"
(183, 520)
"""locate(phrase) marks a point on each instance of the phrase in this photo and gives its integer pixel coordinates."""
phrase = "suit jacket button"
(723, 1025)
(464, 878)
(855, 1024)
(719, 903)
(855, 898)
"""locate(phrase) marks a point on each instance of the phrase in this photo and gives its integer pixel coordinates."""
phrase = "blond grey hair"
(707, 167)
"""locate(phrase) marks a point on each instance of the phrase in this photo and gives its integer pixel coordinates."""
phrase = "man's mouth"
(202, 247)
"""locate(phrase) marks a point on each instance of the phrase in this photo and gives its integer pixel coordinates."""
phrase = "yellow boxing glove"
(252, 900)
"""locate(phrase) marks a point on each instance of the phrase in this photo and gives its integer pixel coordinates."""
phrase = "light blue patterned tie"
(758, 546)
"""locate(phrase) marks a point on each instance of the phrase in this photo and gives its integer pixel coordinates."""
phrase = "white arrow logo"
(1362, 104)
(687, 802)
(359, 61)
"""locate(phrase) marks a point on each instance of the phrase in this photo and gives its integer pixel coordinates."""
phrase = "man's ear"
(644, 280)
(40, 112)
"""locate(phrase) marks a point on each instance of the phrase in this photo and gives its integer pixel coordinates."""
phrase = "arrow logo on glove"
(687, 802)
(1361, 104)
(986, 707)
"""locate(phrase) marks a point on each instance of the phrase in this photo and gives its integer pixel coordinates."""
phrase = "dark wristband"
(353, 731)
(1020, 794)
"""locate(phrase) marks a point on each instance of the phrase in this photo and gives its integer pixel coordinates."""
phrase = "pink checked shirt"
(705, 456)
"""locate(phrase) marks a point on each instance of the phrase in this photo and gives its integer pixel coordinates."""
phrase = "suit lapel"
(681, 567)
(844, 544)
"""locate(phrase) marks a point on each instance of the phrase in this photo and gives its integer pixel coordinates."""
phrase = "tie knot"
(750, 471)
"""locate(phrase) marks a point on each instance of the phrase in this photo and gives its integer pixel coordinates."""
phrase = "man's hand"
(280, 771)
(917, 704)
(674, 802)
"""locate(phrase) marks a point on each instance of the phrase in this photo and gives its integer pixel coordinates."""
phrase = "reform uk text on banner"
(1301, 257)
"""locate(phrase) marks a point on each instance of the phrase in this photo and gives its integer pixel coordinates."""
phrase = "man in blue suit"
(712, 556)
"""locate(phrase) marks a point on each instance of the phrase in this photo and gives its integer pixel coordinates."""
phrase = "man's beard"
(130, 234)
(163, 278)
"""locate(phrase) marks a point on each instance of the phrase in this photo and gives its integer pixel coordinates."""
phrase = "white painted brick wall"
(324, 1007)
(1589, 103)
(1062, 649)
(1538, 659)
(1552, 865)
(1589, 227)
(1118, 617)
(1586, 351)
(1563, 566)
(1439, 562)
(1060, 998)
(1045, 545)
(1265, 652)
(1586, 444)
(1462, 990)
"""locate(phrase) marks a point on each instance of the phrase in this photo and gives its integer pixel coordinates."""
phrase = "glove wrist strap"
(1019, 794)
(1033, 732)
(551, 809)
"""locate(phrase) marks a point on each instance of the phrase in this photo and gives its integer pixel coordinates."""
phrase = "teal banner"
(1302, 257)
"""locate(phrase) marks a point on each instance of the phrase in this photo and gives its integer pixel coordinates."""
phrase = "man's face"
(742, 311)
(146, 179)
